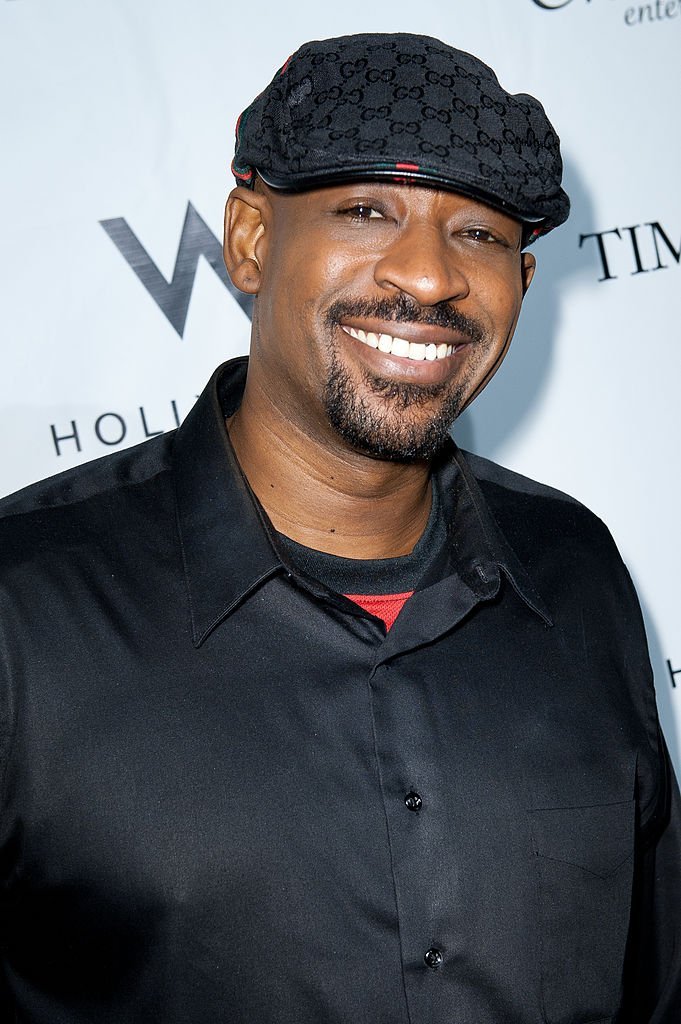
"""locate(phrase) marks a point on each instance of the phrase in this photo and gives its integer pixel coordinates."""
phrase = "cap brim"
(369, 172)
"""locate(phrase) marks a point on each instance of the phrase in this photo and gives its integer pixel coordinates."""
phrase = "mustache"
(402, 309)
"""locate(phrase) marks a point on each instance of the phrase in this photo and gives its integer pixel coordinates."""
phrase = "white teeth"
(400, 346)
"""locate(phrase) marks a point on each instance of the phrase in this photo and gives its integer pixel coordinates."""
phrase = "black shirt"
(228, 796)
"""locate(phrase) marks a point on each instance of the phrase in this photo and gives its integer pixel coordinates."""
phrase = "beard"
(399, 434)
(395, 426)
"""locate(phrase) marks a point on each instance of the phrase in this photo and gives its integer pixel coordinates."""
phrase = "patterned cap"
(402, 108)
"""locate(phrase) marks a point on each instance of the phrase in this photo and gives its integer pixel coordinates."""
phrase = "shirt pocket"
(584, 862)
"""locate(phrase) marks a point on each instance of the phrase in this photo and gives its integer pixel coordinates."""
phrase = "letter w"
(172, 297)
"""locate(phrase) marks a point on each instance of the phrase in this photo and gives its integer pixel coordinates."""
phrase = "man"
(307, 716)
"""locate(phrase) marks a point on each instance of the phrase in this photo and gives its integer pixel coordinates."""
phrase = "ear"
(245, 218)
(527, 269)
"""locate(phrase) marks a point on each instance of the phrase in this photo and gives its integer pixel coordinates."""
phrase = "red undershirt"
(383, 606)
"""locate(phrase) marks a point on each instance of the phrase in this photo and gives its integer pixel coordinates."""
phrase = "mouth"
(425, 350)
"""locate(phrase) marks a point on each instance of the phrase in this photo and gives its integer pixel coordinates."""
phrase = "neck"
(328, 496)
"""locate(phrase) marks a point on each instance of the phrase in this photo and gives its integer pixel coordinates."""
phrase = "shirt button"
(413, 801)
(433, 958)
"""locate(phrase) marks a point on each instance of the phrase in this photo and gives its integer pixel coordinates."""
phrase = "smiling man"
(308, 717)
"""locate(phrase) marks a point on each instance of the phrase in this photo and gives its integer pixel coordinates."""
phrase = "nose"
(420, 263)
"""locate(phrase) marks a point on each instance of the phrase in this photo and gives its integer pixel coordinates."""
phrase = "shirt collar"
(471, 516)
(227, 541)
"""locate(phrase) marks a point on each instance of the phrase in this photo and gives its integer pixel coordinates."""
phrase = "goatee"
(396, 432)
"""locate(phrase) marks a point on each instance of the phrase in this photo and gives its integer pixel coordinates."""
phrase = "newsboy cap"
(402, 107)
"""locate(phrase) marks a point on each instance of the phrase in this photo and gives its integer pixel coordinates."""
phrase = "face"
(382, 310)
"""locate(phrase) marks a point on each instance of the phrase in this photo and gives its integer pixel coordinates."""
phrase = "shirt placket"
(423, 850)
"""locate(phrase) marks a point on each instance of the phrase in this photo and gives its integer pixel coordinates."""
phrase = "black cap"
(408, 108)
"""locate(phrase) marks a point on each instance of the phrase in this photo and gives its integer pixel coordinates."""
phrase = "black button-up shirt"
(229, 796)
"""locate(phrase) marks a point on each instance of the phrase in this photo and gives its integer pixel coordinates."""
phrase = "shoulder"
(566, 548)
(89, 500)
(533, 515)
(90, 479)
(498, 481)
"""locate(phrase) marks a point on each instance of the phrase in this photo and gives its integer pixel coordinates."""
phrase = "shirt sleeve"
(653, 974)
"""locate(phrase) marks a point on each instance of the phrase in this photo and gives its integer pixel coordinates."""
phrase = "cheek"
(302, 277)
(295, 291)
(327, 266)
(500, 300)
(340, 267)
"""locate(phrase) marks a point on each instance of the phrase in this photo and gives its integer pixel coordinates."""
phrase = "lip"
(419, 334)
(424, 372)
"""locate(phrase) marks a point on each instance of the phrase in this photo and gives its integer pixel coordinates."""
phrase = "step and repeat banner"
(117, 128)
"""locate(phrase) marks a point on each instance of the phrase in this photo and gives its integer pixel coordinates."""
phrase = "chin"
(390, 420)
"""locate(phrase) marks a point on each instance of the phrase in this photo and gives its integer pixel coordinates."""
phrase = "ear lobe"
(528, 267)
(245, 216)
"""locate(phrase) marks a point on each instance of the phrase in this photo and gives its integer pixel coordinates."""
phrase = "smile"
(400, 346)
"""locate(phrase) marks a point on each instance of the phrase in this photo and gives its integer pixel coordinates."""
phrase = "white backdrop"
(122, 111)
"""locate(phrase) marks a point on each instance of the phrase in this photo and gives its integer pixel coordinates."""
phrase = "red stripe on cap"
(243, 175)
(407, 167)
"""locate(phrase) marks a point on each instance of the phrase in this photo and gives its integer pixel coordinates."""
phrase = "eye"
(361, 212)
(486, 236)
(481, 235)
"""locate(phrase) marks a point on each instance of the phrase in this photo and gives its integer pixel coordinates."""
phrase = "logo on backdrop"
(111, 429)
(173, 297)
(546, 5)
(638, 14)
(629, 251)
(673, 673)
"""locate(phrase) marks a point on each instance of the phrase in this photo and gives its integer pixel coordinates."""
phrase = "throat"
(353, 529)
(368, 578)
(339, 502)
